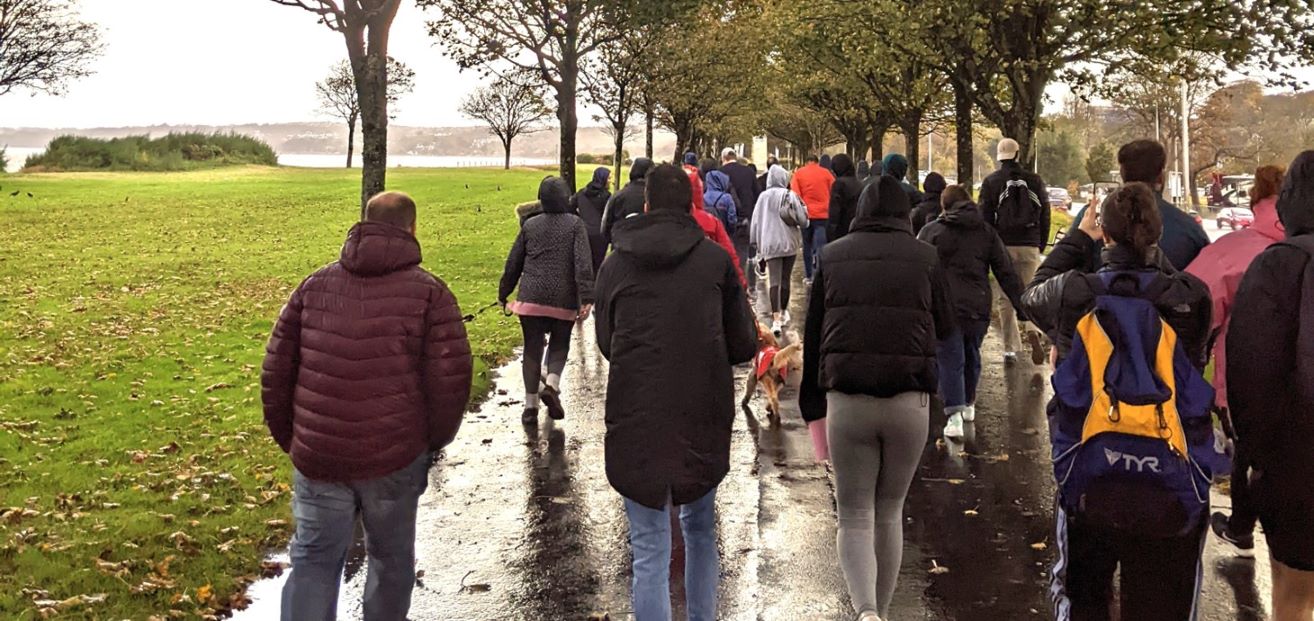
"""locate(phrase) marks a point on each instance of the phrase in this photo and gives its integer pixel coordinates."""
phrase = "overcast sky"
(186, 61)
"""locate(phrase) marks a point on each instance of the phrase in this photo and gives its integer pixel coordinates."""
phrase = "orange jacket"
(812, 184)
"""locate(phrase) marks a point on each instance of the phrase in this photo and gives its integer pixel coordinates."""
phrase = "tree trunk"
(912, 143)
(619, 158)
(351, 139)
(506, 161)
(569, 122)
(963, 130)
(371, 89)
(877, 144)
(647, 145)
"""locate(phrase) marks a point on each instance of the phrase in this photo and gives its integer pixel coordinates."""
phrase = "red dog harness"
(765, 357)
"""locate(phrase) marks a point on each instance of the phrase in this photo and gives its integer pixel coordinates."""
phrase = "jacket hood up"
(554, 195)
(660, 239)
(1295, 204)
(963, 214)
(842, 166)
(895, 165)
(640, 168)
(718, 181)
(864, 170)
(376, 249)
(691, 158)
(883, 206)
(777, 177)
(598, 185)
(935, 184)
(826, 162)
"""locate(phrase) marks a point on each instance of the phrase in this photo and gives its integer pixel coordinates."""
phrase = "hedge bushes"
(186, 151)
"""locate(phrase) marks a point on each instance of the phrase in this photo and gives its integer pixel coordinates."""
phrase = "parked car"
(1060, 199)
(1235, 218)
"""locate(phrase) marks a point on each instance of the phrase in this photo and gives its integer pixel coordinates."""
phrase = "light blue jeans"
(326, 515)
(650, 539)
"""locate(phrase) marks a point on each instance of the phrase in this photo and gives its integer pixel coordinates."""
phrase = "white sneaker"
(785, 318)
(969, 415)
(869, 616)
(954, 428)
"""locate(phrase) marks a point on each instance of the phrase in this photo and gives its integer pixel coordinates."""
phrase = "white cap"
(727, 152)
(1007, 149)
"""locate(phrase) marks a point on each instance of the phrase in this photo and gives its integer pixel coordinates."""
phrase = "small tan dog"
(771, 368)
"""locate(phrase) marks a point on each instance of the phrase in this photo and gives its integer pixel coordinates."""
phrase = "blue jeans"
(650, 540)
(814, 239)
(959, 359)
(326, 515)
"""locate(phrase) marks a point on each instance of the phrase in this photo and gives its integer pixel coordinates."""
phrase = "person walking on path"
(1221, 266)
(719, 200)
(550, 268)
(743, 180)
(590, 204)
(969, 251)
(843, 197)
(896, 165)
(695, 178)
(1160, 557)
(929, 209)
(373, 323)
(780, 217)
(628, 202)
(1013, 201)
(825, 162)
(868, 391)
(1270, 390)
(812, 183)
(864, 171)
(1183, 238)
(670, 399)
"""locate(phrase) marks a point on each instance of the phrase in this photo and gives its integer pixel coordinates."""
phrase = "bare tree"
(613, 81)
(364, 25)
(43, 45)
(509, 107)
(337, 95)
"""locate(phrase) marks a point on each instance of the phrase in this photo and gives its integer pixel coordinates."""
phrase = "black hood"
(883, 206)
(554, 195)
(1295, 204)
(864, 170)
(935, 184)
(640, 168)
(963, 214)
(842, 166)
(598, 186)
(375, 249)
(660, 239)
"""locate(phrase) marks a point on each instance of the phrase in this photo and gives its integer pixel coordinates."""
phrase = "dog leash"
(475, 315)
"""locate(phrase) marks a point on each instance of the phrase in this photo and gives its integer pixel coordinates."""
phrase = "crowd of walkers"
(368, 369)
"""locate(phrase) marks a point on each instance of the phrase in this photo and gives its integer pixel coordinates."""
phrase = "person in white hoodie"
(776, 233)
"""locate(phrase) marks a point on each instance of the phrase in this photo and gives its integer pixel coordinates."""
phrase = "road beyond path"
(520, 523)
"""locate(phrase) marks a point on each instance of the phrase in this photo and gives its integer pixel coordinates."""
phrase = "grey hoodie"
(769, 233)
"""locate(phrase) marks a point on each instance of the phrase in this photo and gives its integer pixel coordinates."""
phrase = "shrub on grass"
(174, 151)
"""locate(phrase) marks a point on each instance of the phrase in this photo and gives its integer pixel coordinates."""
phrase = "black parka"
(630, 200)
(843, 197)
(880, 304)
(969, 251)
(672, 319)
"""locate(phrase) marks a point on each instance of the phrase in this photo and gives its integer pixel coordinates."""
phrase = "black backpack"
(1019, 209)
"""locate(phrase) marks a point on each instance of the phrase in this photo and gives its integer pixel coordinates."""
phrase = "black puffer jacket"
(969, 250)
(630, 200)
(590, 205)
(1270, 352)
(878, 275)
(843, 197)
(993, 188)
(929, 209)
(550, 262)
(1061, 295)
(672, 319)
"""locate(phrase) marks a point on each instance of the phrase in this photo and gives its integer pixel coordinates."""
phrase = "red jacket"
(715, 231)
(696, 181)
(369, 364)
(812, 183)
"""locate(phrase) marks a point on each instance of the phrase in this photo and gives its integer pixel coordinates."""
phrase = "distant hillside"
(331, 138)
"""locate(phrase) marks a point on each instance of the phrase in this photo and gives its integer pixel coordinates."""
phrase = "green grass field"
(136, 476)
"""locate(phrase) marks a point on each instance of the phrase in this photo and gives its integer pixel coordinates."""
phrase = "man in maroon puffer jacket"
(366, 376)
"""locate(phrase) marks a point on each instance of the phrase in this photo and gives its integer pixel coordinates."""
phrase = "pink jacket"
(1221, 266)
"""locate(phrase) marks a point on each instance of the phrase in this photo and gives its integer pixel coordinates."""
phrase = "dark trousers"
(814, 239)
(742, 248)
(1244, 516)
(541, 333)
(1160, 577)
(959, 359)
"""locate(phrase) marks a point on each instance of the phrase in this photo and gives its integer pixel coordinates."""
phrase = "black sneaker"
(530, 416)
(1244, 544)
(552, 399)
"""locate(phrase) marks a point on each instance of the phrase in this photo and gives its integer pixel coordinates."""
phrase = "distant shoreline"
(18, 155)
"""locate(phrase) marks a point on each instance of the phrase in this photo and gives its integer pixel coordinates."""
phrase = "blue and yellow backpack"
(1131, 424)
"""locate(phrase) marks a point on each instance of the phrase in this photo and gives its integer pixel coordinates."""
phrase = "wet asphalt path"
(520, 523)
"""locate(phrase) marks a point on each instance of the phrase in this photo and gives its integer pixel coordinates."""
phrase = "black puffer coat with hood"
(629, 201)
(878, 275)
(929, 209)
(1270, 372)
(843, 197)
(969, 251)
(673, 319)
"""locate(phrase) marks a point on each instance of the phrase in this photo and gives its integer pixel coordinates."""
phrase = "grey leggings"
(779, 273)
(875, 445)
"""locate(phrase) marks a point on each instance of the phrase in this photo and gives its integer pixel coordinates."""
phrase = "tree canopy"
(44, 45)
